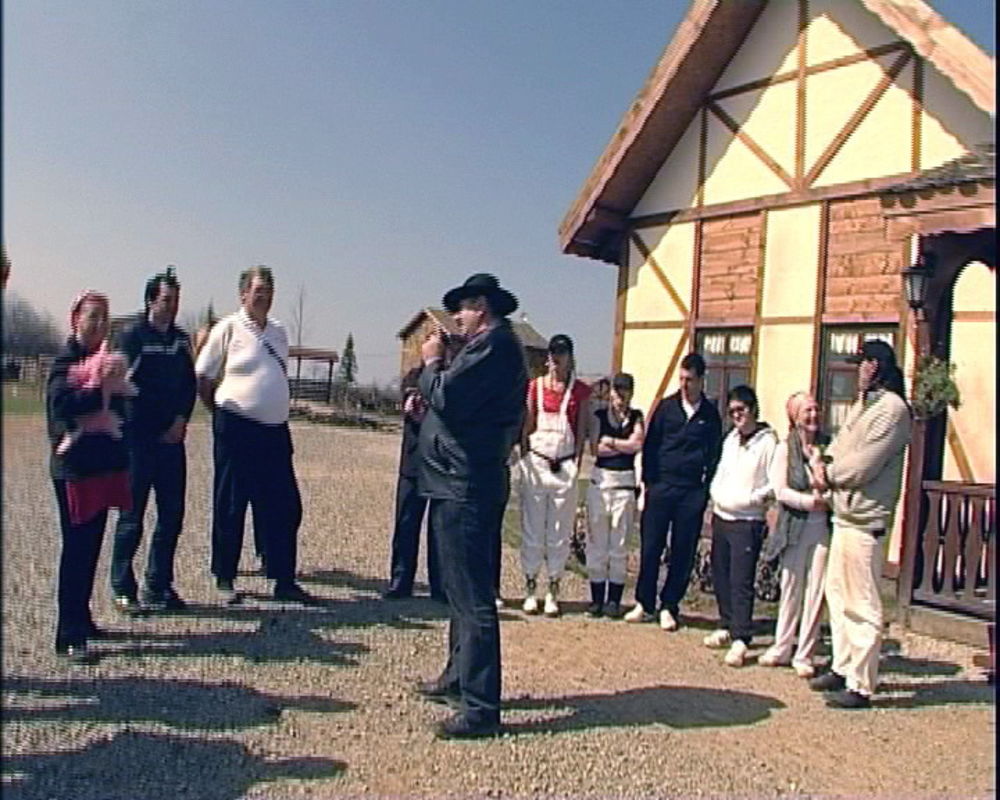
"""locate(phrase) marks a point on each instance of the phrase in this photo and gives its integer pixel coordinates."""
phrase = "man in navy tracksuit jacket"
(679, 456)
(159, 355)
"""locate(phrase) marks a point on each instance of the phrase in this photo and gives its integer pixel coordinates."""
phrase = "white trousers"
(803, 578)
(853, 571)
(548, 513)
(611, 515)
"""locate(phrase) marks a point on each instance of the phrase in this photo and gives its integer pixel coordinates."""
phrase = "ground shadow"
(344, 578)
(676, 706)
(177, 703)
(933, 693)
(894, 662)
(153, 767)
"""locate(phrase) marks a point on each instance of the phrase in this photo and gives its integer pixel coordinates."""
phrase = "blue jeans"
(161, 468)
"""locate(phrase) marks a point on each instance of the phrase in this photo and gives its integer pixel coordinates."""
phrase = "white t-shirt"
(253, 385)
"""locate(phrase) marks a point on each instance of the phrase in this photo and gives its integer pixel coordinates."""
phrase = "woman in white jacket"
(801, 538)
(740, 491)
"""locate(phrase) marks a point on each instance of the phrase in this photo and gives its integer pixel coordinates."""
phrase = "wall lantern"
(917, 278)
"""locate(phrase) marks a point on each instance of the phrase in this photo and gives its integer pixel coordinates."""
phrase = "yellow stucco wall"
(950, 123)
(676, 184)
(672, 247)
(784, 365)
(791, 261)
(840, 28)
(769, 48)
(973, 351)
(646, 354)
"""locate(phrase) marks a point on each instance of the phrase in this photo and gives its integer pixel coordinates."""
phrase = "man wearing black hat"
(863, 470)
(474, 411)
(160, 361)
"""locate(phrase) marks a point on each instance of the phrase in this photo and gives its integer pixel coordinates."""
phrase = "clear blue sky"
(374, 152)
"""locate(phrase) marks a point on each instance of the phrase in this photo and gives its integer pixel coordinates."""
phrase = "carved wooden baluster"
(932, 540)
(952, 542)
(973, 544)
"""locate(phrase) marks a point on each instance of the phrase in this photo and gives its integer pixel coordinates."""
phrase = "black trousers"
(81, 548)
(735, 547)
(678, 510)
(410, 509)
(162, 468)
(466, 533)
(253, 465)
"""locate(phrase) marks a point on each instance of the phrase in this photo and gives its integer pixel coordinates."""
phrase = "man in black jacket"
(410, 504)
(474, 414)
(679, 456)
(160, 360)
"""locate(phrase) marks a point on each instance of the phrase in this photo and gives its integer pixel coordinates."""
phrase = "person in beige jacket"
(863, 471)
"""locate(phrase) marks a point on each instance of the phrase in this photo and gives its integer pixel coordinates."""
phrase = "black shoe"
(77, 654)
(395, 593)
(613, 610)
(828, 682)
(127, 606)
(226, 593)
(93, 632)
(460, 727)
(595, 610)
(848, 699)
(438, 692)
(293, 593)
(167, 600)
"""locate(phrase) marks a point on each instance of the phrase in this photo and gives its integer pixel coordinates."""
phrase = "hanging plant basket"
(934, 388)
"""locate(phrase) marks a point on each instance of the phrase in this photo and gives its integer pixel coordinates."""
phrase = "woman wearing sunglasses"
(740, 491)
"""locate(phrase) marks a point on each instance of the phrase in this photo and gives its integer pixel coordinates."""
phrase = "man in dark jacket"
(474, 414)
(410, 504)
(160, 359)
(679, 456)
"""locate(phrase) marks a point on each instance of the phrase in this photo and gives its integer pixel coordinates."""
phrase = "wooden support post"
(329, 381)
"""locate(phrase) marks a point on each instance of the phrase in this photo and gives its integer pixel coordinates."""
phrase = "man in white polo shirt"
(242, 378)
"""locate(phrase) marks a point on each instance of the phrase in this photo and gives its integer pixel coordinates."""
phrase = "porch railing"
(954, 560)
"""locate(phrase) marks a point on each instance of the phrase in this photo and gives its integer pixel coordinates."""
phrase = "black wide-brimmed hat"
(482, 284)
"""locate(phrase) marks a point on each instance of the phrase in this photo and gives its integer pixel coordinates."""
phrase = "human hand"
(818, 502)
(434, 346)
(175, 433)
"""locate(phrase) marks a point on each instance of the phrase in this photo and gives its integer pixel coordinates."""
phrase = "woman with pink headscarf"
(801, 538)
(85, 403)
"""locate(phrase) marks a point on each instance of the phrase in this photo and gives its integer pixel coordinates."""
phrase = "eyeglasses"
(734, 410)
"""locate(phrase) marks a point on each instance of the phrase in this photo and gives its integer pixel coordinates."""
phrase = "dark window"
(838, 386)
(727, 361)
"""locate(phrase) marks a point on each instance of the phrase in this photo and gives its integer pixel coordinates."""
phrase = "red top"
(552, 400)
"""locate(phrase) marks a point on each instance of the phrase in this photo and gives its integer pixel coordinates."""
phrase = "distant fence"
(29, 370)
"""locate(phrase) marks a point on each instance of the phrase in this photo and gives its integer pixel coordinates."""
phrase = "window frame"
(728, 362)
(830, 364)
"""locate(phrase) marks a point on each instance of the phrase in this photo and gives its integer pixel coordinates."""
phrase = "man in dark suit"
(474, 412)
(410, 504)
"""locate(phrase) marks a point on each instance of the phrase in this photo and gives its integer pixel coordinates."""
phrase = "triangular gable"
(706, 44)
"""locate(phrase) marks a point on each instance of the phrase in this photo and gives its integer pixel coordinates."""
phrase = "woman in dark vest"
(616, 435)
(801, 538)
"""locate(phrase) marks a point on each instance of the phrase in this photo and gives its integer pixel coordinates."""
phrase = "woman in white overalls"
(551, 448)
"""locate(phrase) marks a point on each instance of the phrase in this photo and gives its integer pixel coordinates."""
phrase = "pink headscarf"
(86, 296)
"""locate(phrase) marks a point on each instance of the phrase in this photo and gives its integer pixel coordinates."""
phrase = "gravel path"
(272, 701)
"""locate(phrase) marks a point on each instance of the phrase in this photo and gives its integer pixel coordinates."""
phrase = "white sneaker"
(667, 621)
(499, 602)
(638, 614)
(772, 659)
(736, 654)
(551, 606)
(530, 605)
(717, 639)
(804, 669)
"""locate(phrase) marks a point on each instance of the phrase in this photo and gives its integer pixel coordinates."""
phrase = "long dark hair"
(890, 377)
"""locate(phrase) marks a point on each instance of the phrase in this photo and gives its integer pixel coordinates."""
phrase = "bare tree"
(298, 324)
(27, 331)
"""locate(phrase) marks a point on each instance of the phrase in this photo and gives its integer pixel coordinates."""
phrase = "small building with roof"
(415, 333)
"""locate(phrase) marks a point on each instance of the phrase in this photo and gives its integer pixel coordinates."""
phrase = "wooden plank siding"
(730, 265)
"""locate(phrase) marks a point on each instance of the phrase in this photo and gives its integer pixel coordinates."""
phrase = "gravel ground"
(273, 701)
